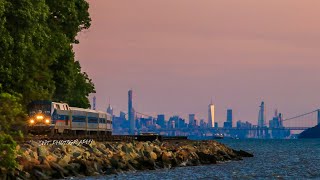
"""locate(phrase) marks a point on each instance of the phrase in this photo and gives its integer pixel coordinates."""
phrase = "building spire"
(94, 103)
(110, 109)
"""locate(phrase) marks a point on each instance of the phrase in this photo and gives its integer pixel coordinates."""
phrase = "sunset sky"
(177, 55)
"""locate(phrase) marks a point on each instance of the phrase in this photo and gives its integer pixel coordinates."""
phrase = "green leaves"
(36, 55)
(12, 113)
(83, 86)
(7, 152)
(69, 16)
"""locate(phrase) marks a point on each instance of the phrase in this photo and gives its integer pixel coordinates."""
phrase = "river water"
(273, 159)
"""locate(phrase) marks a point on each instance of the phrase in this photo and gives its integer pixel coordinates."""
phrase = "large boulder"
(74, 169)
(52, 158)
(146, 163)
(60, 172)
(76, 155)
(39, 175)
(42, 151)
(243, 153)
(153, 156)
(64, 161)
(206, 158)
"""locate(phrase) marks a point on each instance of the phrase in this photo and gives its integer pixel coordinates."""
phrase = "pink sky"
(178, 54)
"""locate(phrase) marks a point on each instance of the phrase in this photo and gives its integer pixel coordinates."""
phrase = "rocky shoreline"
(54, 161)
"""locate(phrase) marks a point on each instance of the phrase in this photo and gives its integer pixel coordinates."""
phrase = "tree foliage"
(12, 113)
(7, 152)
(36, 53)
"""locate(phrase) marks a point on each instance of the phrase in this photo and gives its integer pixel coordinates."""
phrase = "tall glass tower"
(110, 110)
(211, 115)
(229, 116)
(262, 115)
(130, 113)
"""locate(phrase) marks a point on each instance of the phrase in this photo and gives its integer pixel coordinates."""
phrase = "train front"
(39, 119)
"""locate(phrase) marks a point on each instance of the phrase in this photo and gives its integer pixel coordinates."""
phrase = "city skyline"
(239, 53)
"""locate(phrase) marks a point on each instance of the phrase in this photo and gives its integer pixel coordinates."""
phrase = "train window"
(92, 120)
(102, 120)
(78, 119)
(58, 107)
(67, 120)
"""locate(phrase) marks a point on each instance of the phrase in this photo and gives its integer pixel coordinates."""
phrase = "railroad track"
(111, 138)
(103, 138)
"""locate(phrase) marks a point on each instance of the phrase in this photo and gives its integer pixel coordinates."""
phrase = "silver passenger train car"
(60, 118)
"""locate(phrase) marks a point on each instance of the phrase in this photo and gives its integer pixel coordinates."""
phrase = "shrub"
(12, 113)
(7, 152)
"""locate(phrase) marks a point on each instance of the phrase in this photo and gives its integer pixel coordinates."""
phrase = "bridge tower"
(318, 116)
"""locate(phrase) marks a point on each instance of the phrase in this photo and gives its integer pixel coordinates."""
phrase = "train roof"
(87, 110)
(41, 102)
(71, 108)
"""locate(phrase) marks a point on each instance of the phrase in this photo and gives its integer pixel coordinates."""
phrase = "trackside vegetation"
(37, 62)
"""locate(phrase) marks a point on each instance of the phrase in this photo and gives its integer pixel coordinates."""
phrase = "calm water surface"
(274, 159)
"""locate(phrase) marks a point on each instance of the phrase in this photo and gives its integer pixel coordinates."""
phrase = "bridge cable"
(300, 115)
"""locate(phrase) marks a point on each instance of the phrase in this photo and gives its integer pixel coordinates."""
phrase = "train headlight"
(31, 121)
(40, 117)
(47, 121)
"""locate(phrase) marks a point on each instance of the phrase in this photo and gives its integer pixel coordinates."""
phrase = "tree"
(26, 55)
(12, 113)
(81, 89)
(36, 52)
(7, 152)
(68, 18)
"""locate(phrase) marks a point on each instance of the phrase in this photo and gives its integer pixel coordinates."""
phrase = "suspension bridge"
(302, 121)
(287, 126)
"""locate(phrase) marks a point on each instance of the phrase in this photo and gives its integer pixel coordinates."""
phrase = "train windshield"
(39, 107)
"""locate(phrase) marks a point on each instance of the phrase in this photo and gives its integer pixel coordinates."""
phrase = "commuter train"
(47, 117)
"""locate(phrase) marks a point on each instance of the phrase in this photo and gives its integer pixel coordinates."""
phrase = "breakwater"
(54, 160)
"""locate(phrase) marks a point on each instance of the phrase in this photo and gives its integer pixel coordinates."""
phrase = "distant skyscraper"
(161, 120)
(276, 121)
(211, 122)
(202, 123)
(229, 116)
(262, 115)
(123, 115)
(131, 113)
(280, 120)
(94, 103)
(192, 117)
(110, 110)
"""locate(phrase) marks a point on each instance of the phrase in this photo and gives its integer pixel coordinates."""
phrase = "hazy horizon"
(177, 55)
